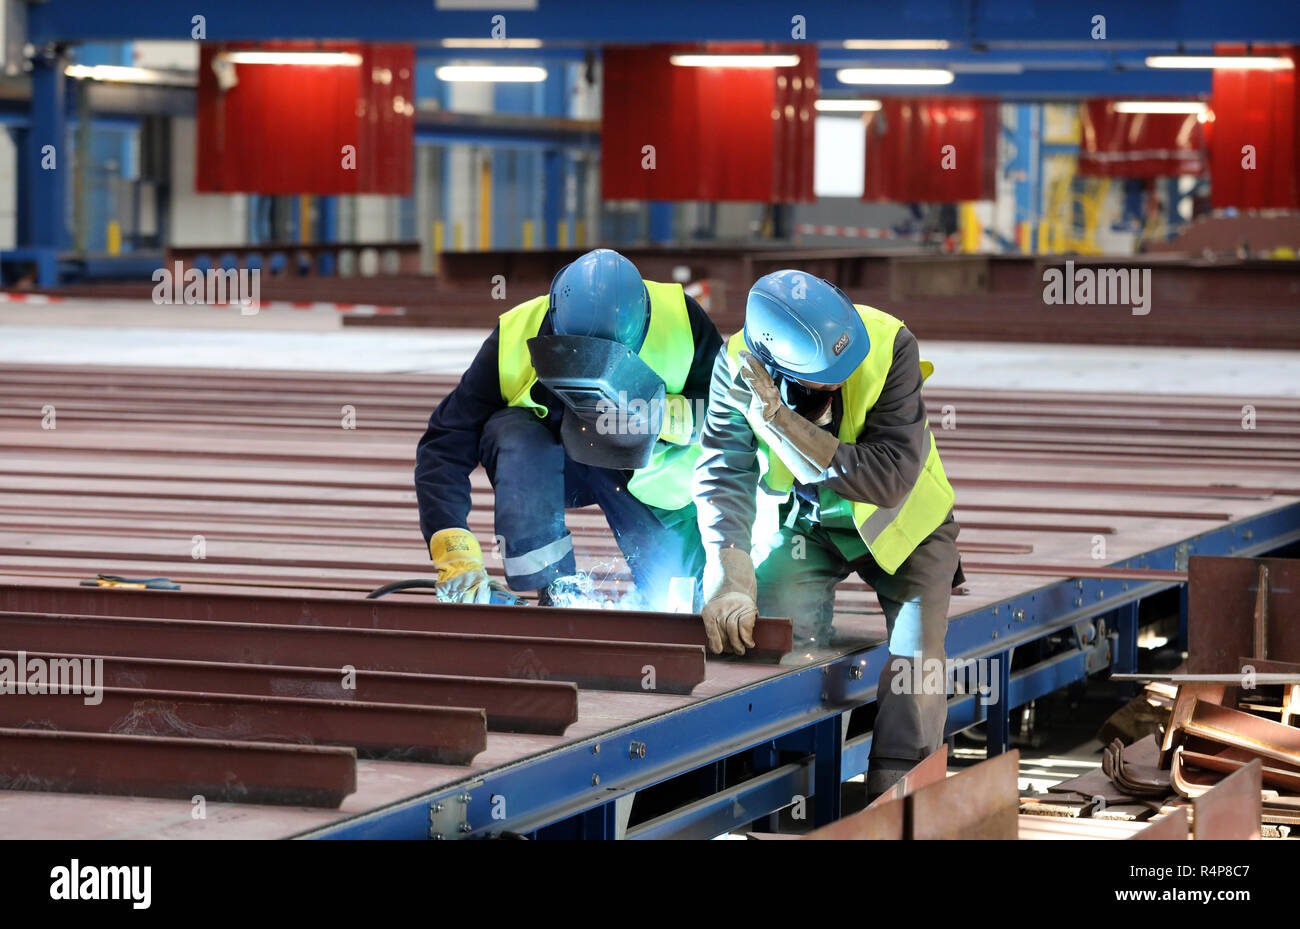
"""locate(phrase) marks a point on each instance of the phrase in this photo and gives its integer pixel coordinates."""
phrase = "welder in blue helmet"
(590, 394)
(818, 462)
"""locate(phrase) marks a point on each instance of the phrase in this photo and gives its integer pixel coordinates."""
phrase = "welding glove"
(806, 450)
(678, 423)
(730, 592)
(459, 560)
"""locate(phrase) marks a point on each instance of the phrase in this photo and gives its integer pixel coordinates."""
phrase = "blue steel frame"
(583, 789)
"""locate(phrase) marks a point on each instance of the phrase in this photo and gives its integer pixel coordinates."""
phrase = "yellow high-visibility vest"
(669, 349)
(893, 533)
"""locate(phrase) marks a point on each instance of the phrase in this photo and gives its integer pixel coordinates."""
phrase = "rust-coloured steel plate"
(982, 802)
(1231, 809)
(1222, 594)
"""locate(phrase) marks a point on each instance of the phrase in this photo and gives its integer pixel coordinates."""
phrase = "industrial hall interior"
(740, 421)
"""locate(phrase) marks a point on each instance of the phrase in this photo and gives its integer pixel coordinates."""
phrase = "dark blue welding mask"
(614, 401)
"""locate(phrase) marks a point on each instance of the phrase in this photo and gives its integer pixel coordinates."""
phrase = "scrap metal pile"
(984, 802)
(1232, 708)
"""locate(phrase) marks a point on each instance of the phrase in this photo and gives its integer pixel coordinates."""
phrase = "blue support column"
(327, 212)
(553, 196)
(999, 712)
(828, 746)
(1126, 646)
(44, 195)
(555, 162)
(661, 221)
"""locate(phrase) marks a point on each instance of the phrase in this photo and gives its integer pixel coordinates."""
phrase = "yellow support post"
(580, 233)
(528, 233)
(304, 219)
(562, 233)
(458, 236)
(114, 236)
(439, 243)
(485, 206)
(968, 225)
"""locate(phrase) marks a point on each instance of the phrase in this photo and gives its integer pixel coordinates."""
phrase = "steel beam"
(773, 637)
(594, 665)
(541, 707)
(434, 735)
(220, 771)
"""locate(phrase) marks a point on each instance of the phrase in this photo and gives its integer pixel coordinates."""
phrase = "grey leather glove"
(730, 592)
(804, 448)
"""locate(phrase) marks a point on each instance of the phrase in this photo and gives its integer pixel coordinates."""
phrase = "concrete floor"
(125, 333)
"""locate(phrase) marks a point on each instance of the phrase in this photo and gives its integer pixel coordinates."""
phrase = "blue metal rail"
(584, 789)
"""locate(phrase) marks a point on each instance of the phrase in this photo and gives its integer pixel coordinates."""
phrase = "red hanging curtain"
(1139, 144)
(1259, 109)
(684, 133)
(286, 128)
(931, 149)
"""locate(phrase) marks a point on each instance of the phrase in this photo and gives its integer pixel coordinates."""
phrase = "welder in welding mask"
(590, 394)
(817, 463)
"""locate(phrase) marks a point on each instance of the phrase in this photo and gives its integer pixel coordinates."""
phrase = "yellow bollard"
(485, 206)
(114, 236)
(439, 242)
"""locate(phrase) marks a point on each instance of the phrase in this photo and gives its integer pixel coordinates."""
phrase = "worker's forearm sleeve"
(726, 475)
(449, 450)
(892, 447)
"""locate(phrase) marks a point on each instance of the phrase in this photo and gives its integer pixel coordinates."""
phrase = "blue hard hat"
(804, 327)
(601, 295)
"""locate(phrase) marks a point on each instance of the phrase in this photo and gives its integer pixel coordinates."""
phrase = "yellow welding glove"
(459, 560)
(678, 423)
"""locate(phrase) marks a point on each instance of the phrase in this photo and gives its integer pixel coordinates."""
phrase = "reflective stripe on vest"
(669, 350)
(891, 533)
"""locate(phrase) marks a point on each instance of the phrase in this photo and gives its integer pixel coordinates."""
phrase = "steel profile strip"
(1102, 572)
(220, 771)
(1261, 737)
(540, 707)
(773, 637)
(596, 665)
(434, 735)
(1223, 764)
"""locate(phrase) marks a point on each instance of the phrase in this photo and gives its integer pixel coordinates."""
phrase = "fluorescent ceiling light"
(902, 44)
(123, 74)
(734, 61)
(1159, 106)
(491, 43)
(894, 76)
(1239, 62)
(847, 106)
(515, 74)
(291, 58)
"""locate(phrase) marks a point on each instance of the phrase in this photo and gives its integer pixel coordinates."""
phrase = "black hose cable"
(401, 585)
